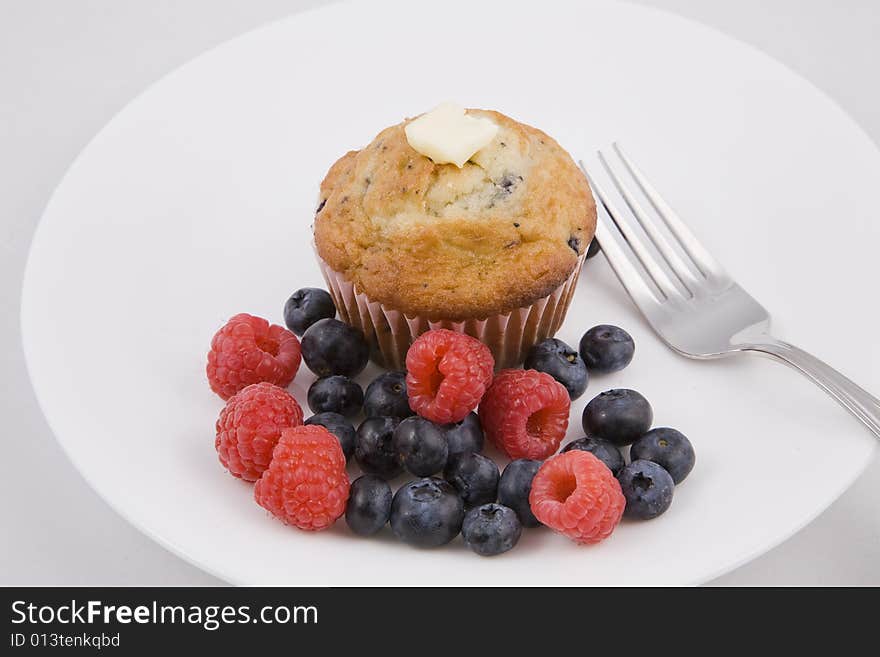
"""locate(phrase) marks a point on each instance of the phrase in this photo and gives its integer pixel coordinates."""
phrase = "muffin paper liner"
(509, 336)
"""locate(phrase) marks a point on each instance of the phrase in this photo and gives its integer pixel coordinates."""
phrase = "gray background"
(66, 67)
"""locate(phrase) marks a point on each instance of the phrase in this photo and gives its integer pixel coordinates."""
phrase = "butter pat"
(448, 135)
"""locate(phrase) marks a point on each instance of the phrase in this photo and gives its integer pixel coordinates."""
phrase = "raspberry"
(525, 413)
(447, 374)
(576, 494)
(249, 350)
(306, 484)
(250, 425)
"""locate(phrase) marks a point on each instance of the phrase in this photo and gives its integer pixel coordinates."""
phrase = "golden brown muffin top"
(446, 243)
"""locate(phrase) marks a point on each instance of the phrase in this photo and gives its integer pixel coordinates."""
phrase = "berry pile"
(430, 423)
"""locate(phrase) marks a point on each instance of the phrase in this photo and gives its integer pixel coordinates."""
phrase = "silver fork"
(690, 301)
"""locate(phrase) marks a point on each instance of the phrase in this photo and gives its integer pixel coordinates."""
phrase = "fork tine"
(682, 272)
(614, 248)
(637, 245)
(703, 260)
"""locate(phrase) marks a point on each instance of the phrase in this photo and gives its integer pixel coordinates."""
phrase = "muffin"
(492, 248)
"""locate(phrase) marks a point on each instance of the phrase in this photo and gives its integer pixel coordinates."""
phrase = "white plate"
(194, 203)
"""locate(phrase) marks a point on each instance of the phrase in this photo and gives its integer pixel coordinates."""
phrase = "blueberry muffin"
(491, 248)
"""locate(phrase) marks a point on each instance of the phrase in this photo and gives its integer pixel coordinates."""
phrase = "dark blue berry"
(374, 447)
(620, 416)
(507, 184)
(307, 306)
(666, 447)
(386, 396)
(333, 347)
(647, 488)
(514, 488)
(426, 513)
(421, 446)
(491, 529)
(465, 437)
(602, 449)
(336, 394)
(560, 361)
(369, 505)
(593, 249)
(339, 427)
(606, 348)
(475, 477)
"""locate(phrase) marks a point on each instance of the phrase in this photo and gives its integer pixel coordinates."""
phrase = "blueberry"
(491, 529)
(465, 437)
(475, 477)
(515, 486)
(307, 306)
(421, 446)
(386, 396)
(374, 447)
(335, 394)
(602, 449)
(668, 448)
(620, 416)
(593, 249)
(333, 347)
(339, 427)
(647, 488)
(561, 362)
(606, 348)
(426, 513)
(507, 184)
(369, 505)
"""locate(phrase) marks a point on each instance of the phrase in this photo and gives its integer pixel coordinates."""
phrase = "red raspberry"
(306, 484)
(576, 494)
(525, 413)
(249, 350)
(250, 425)
(447, 374)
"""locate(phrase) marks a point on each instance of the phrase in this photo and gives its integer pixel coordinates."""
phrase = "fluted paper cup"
(509, 336)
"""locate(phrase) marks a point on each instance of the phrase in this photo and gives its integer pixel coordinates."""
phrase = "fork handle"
(852, 397)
